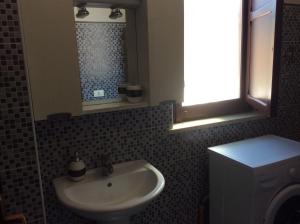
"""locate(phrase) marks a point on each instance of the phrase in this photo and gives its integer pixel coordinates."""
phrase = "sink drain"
(109, 184)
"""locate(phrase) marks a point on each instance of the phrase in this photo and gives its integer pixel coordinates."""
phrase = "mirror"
(102, 46)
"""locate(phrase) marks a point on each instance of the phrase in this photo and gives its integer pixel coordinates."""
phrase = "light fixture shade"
(82, 11)
(115, 13)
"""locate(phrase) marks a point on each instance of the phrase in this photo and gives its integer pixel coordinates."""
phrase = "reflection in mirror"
(101, 35)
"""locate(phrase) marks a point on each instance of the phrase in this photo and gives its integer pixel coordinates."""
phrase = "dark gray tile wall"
(102, 59)
(19, 177)
(289, 91)
(137, 134)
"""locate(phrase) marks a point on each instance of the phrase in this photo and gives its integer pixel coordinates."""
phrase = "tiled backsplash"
(132, 134)
(102, 58)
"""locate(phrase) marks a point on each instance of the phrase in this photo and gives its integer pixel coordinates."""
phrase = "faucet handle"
(106, 163)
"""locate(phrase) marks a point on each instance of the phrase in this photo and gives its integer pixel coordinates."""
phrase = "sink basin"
(112, 199)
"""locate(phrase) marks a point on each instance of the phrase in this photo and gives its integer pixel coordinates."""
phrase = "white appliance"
(255, 181)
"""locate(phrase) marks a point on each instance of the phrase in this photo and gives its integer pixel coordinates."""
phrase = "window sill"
(212, 122)
(293, 2)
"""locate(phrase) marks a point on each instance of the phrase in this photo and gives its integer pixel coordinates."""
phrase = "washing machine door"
(285, 207)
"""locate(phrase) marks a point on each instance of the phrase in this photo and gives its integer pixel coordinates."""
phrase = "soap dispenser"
(77, 169)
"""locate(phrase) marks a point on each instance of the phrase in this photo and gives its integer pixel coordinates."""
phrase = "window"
(231, 57)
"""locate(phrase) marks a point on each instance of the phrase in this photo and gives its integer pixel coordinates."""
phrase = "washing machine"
(255, 181)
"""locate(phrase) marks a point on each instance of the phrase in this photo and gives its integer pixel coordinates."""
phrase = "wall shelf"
(106, 107)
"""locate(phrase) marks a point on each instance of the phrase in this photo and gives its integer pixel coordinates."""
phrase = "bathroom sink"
(115, 198)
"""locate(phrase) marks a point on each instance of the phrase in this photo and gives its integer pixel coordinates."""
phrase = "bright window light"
(212, 50)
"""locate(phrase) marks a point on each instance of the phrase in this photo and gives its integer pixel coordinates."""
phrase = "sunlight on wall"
(212, 50)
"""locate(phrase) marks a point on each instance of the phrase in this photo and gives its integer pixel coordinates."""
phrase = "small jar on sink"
(77, 169)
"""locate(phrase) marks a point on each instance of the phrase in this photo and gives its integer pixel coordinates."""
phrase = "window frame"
(268, 108)
(245, 103)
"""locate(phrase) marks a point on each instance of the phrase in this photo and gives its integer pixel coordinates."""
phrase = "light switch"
(99, 93)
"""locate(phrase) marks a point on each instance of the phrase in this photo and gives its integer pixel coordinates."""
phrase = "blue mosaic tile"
(21, 193)
(19, 177)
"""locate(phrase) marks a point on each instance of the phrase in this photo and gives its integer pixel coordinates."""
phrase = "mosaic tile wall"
(101, 59)
(181, 157)
(19, 178)
(133, 134)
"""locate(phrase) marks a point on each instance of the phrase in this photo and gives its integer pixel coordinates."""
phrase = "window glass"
(212, 54)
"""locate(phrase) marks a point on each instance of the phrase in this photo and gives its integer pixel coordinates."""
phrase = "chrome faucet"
(106, 165)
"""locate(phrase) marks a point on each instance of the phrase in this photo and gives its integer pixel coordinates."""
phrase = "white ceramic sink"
(115, 198)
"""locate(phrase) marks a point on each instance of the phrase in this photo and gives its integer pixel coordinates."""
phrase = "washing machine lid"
(261, 151)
